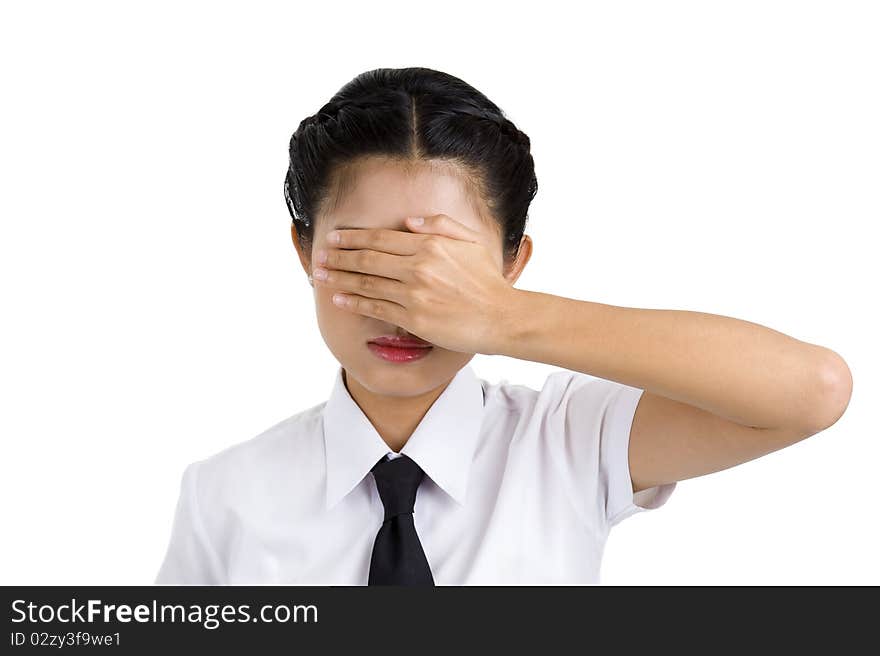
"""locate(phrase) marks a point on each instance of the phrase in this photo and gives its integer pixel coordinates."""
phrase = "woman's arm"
(718, 391)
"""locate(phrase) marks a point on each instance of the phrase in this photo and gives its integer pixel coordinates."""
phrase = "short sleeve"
(614, 470)
(588, 420)
(189, 558)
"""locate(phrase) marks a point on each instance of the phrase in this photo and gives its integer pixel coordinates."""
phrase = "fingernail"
(417, 220)
(319, 274)
(333, 237)
(322, 256)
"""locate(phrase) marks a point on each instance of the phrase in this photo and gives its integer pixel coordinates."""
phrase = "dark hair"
(411, 114)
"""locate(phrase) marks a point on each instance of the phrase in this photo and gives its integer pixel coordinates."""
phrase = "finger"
(375, 263)
(371, 307)
(443, 224)
(360, 283)
(395, 242)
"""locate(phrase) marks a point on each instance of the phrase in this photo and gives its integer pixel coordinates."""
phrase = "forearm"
(739, 370)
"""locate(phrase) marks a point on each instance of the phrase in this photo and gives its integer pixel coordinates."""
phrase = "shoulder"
(559, 392)
(234, 469)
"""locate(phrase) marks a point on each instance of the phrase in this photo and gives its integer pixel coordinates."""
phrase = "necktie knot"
(397, 481)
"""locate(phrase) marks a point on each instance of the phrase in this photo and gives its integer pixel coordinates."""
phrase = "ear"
(513, 270)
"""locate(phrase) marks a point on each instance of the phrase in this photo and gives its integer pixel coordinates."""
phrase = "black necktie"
(398, 557)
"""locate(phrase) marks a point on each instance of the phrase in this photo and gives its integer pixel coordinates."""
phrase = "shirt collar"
(442, 444)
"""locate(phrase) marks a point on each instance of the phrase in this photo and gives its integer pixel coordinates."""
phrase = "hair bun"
(514, 133)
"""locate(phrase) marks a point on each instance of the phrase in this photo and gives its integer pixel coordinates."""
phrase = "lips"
(396, 341)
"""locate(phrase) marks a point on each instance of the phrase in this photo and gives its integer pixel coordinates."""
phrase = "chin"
(390, 379)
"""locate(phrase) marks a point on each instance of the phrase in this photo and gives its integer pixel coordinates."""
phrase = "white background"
(720, 157)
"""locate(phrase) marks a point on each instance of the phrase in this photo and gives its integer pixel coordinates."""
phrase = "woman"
(409, 193)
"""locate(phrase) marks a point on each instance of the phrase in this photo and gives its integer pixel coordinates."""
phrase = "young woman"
(409, 192)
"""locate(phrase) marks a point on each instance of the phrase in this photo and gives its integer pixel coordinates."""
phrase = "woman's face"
(381, 194)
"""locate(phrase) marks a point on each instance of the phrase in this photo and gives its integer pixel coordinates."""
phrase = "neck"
(394, 417)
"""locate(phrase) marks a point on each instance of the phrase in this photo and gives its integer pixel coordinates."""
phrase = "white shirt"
(521, 487)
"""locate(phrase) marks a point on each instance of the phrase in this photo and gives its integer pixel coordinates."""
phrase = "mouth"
(393, 348)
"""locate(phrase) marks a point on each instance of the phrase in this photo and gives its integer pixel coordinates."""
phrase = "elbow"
(834, 384)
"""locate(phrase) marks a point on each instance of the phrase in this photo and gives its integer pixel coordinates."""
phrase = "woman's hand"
(438, 282)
